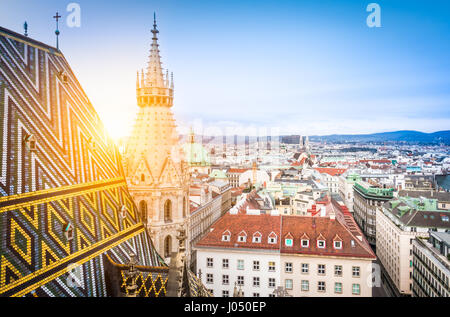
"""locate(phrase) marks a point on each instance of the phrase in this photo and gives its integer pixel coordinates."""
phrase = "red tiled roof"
(318, 227)
(235, 224)
(331, 171)
(237, 170)
(343, 228)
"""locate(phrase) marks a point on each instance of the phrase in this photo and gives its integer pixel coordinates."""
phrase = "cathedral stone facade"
(156, 173)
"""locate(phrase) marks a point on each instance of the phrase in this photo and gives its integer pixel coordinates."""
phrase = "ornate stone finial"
(137, 80)
(25, 27)
(191, 136)
(167, 79)
(281, 292)
(132, 274)
(235, 290)
(181, 239)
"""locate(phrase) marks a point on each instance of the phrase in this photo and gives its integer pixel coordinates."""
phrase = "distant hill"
(408, 136)
(397, 136)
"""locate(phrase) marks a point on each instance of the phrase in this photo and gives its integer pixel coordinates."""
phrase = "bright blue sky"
(310, 67)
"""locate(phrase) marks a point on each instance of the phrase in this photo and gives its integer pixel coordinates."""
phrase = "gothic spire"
(137, 80)
(154, 76)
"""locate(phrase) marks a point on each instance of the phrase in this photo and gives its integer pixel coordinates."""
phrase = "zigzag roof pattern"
(64, 201)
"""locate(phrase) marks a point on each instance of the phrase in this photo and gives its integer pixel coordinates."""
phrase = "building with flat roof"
(366, 200)
(431, 265)
(399, 222)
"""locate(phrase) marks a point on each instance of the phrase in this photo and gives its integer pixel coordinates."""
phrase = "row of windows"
(288, 267)
(431, 266)
(321, 244)
(321, 269)
(257, 237)
(240, 264)
(322, 286)
(226, 293)
(289, 242)
(167, 208)
(427, 282)
(240, 280)
(305, 287)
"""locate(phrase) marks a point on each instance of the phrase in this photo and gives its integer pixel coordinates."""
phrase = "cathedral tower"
(157, 175)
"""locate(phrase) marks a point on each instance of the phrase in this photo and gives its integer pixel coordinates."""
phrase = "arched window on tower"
(142, 178)
(167, 246)
(184, 207)
(143, 210)
(168, 211)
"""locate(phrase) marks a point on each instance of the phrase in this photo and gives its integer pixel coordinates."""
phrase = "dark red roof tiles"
(331, 171)
(318, 228)
(295, 227)
(235, 224)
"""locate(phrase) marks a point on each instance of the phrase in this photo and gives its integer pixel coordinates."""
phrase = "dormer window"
(242, 237)
(321, 244)
(272, 239)
(226, 236)
(288, 242)
(337, 242)
(30, 142)
(305, 241)
(256, 237)
(68, 231)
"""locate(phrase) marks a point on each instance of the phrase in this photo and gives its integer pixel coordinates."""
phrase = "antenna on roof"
(25, 27)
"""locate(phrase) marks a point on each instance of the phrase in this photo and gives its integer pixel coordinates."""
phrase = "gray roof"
(440, 196)
(419, 218)
(443, 236)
